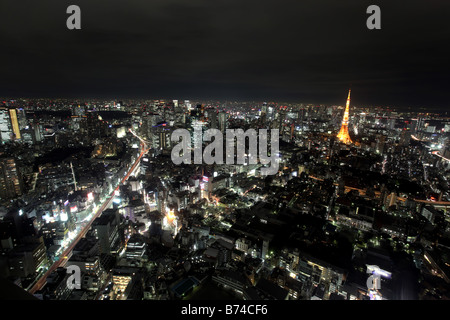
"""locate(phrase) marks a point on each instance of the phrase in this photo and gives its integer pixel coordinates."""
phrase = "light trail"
(64, 256)
(436, 153)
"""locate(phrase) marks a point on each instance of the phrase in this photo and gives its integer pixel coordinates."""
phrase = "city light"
(264, 186)
(63, 216)
(170, 216)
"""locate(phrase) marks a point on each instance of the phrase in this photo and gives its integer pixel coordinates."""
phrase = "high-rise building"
(420, 124)
(343, 135)
(14, 123)
(222, 121)
(10, 179)
(447, 127)
(78, 110)
(161, 138)
(380, 143)
(26, 259)
(405, 138)
(413, 127)
(264, 108)
(93, 126)
(392, 122)
(212, 117)
(187, 105)
(5, 125)
(108, 232)
(9, 124)
(56, 287)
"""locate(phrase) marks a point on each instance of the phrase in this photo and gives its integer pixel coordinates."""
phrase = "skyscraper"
(108, 231)
(212, 117)
(38, 136)
(5, 125)
(10, 179)
(9, 124)
(343, 135)
(222, 121)
(14, 123)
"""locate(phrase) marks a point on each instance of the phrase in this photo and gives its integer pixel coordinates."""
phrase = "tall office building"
(280, 121)
(5, 125)
(108, 232)
(160, 137)
(380, 143)
(264, 108)
(187, 105)
(212, 117)
(93, 126)
(222, 121)
(164, 139)
(10, 179)
(26, 259)
(14, 118)
(9, 124)
(413, 125)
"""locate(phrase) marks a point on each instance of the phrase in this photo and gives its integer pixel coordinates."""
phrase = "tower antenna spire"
(343, 135)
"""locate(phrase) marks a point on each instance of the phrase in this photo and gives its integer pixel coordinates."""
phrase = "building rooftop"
(271, 289)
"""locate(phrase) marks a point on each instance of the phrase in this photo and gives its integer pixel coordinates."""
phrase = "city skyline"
(224, 150)
(94, 188)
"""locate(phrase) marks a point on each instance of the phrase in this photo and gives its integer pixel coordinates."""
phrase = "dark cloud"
(310, 50)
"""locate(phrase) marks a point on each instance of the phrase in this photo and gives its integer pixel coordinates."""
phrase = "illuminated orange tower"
(343, 135)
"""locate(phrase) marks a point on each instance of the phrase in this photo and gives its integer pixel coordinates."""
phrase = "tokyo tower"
(343, 135)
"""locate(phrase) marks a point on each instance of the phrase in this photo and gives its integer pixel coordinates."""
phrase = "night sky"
(308, 51)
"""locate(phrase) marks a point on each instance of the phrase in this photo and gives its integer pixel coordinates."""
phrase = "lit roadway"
(435, 203)
(63, 257)
(436, 153)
